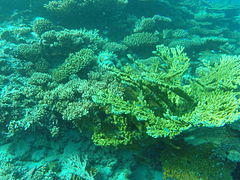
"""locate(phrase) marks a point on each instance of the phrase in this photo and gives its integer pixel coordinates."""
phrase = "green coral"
(41, 26)
(150, 24)
(58, 44)
(63, 6)
(141, 40)
(223, 74)
(115, 47)
(81, 9)
(185, 166)
(122, 134)
(29, 52)
(73, 64)
(155, 97)
(16, 35)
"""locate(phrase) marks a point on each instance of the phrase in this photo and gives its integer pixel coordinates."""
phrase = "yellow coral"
(155, 96)
(224, 75)
(193, 163)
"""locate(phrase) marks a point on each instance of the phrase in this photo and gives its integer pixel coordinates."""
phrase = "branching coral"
(20, 108)
(61, 43)
(73, 64)
(28, 52)
(150, 24)
(224, 74)
(42, 25)
(155, 96)
(85, 11)
(141, 40)
(74, 165)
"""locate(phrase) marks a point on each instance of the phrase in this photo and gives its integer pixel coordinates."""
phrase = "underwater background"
(120, 90)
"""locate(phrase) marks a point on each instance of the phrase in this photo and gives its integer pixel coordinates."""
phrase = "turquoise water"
(119, 90)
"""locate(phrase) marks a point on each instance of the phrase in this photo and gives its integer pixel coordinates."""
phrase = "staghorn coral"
(156, 97)
(223, 74)
(117, 132)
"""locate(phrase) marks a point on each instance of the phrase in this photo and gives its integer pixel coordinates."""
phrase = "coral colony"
(119, 90)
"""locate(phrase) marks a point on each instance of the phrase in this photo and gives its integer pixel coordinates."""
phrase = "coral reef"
(118, 89)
